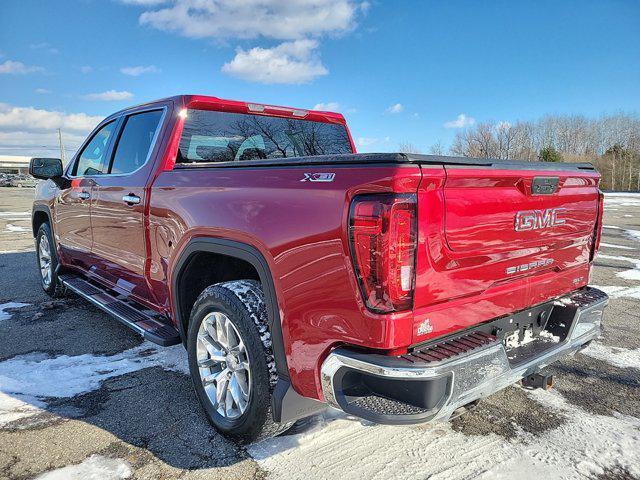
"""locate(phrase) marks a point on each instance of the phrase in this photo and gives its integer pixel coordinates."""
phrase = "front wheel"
(48, 262)
(231, 361)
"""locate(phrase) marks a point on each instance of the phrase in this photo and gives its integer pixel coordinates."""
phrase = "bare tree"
(576, 138)
(437, 148)
(407, 147)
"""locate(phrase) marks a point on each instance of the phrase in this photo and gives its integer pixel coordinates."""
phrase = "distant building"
(14, 164)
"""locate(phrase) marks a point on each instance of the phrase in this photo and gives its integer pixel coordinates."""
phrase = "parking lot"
(82, 395)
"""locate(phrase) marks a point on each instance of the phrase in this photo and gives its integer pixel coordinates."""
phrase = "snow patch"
(9, 306)
(513, 340)
(26, 380)
(635, 234)
(617, 356)
(622, 199)
(438, 452)
(612, 227)
(622, 194)
(631, 274)
(16, 228)
(612, 245)
(26, 215)
(549, 336)
(13, 408)
(96, 467)
(615, 291)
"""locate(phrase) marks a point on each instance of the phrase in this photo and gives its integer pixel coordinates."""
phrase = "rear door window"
(135, 142)
(211, 136)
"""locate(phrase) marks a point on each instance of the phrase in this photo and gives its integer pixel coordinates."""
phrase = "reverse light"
(382, 234)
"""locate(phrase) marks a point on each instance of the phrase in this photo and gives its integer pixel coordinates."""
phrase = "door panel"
(72, 209)
(117, 208)
(73, 223)
(119, 235)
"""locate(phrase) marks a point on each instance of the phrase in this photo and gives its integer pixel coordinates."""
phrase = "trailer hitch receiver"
(538, 380)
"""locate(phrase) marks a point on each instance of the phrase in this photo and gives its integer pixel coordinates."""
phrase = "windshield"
(211, 136)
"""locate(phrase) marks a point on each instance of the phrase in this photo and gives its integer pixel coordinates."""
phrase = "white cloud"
(42, 91)
(44, 46)
(327, 107)
(86, 69)
(289, 62)
(32, 131)
(279, 19)
(36, 120)
(18, 68)
(395, 108)
(461, 121)
(365, 141)
(109, 96)
(139, 70)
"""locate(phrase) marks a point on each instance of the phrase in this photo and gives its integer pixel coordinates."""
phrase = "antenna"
(61, 147)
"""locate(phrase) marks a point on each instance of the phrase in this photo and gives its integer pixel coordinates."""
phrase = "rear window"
(211, 136)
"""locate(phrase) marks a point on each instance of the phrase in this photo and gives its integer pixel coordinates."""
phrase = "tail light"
(598, 228)
(382, 232)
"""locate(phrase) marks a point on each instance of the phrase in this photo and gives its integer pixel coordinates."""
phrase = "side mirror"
(45, 168)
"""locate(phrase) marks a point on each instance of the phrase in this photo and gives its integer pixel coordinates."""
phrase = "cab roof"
(204, 102)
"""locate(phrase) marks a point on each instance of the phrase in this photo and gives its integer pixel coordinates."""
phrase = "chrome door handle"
(131, 199)
(84, 195)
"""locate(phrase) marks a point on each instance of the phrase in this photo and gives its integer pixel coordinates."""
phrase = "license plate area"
(529, 333)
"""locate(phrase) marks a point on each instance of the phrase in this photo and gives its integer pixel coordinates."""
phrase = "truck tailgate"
(495, 241)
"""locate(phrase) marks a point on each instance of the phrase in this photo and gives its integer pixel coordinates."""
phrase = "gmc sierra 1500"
(397, 287)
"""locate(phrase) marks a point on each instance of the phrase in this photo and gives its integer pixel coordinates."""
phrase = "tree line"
(610, 142)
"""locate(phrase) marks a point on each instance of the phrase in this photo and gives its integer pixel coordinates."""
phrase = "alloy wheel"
(44, 260)
(223, 364)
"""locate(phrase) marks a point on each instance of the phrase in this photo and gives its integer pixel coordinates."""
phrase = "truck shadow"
(110, 378)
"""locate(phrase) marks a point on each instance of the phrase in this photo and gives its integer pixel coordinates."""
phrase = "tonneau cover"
(406, 158)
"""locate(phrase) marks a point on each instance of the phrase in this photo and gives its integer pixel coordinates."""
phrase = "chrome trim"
(473, 375)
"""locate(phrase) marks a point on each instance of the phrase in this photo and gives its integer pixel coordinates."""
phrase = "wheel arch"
(240, 251)
(39, 215)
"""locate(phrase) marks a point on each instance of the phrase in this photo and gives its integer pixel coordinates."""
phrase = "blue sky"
(400, 71)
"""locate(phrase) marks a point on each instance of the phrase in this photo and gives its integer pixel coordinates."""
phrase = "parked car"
(297, 273)
(4, 180)
(21, 181)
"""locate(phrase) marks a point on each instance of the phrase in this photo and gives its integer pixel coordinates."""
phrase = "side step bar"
(149, 327)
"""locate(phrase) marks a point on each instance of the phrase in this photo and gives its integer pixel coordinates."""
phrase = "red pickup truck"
(399, 288)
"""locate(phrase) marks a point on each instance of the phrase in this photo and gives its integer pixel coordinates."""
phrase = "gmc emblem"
(537, 219)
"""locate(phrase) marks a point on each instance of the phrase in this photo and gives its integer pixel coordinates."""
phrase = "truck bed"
(396, 158)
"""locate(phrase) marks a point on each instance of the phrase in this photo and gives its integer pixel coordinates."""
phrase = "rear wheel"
(48, 262)
(231, 361)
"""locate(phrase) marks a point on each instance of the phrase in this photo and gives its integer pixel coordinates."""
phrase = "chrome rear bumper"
(437, 388)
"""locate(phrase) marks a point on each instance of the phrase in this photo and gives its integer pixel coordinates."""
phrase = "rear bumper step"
(146, 325)
(434, 381)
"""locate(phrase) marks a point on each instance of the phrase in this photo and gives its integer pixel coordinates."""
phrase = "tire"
(44, 243)
(251, 371)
